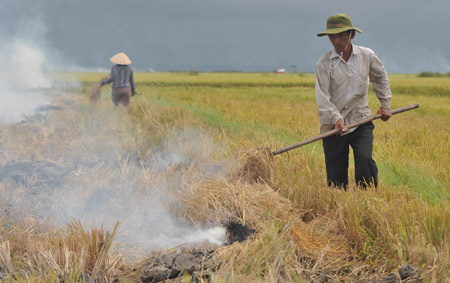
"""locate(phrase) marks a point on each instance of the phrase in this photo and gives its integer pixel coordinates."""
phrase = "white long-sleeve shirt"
(342, 87)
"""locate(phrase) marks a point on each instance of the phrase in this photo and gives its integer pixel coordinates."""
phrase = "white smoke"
(144, 208)
(24, 65)
(22, 78)
(15, 104)
(103, 187)
(100, 185)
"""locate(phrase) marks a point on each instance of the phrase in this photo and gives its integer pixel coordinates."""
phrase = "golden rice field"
(305, 231)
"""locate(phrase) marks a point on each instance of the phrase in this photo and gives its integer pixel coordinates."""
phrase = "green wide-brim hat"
(339, 23)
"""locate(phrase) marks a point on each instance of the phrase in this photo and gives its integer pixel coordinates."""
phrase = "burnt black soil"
(34, 183)
(406, 273)
(236, 232)
(37, 175)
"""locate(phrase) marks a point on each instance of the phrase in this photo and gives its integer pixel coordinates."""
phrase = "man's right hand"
(385, 114)
(340, 125)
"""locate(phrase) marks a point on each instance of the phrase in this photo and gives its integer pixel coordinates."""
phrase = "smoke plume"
(22, 76)
(99, 180)
(84, 165)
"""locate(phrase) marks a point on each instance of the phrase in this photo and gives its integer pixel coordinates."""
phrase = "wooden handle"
(335, 131)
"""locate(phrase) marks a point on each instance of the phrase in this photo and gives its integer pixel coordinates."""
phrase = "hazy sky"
(408, 35)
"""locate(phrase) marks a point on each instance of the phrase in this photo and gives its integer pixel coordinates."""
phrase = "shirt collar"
(335, 54)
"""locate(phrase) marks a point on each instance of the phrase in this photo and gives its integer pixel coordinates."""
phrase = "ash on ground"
(196, 262)
(183, 261)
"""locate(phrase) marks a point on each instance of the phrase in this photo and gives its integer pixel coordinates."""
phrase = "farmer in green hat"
(342, 82)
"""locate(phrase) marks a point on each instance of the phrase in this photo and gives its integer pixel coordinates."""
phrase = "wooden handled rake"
(335, 131)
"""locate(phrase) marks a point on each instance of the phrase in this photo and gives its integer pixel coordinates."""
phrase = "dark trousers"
(336, 149)
(121, 96)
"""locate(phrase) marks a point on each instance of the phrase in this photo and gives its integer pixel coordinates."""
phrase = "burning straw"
(255, 205)
(248, 197)
(95, 91)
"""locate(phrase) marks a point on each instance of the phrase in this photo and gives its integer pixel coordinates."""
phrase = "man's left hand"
(385, 114)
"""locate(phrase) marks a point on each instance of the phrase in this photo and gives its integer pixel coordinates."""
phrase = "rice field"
(186, 134)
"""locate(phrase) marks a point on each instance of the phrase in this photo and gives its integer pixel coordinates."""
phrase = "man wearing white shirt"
(342, 82)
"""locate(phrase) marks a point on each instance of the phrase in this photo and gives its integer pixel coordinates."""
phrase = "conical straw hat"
(121, 59)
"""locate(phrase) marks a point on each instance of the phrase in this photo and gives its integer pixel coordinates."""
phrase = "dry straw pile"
(248, 198)
(258, 167)
(96, 90)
